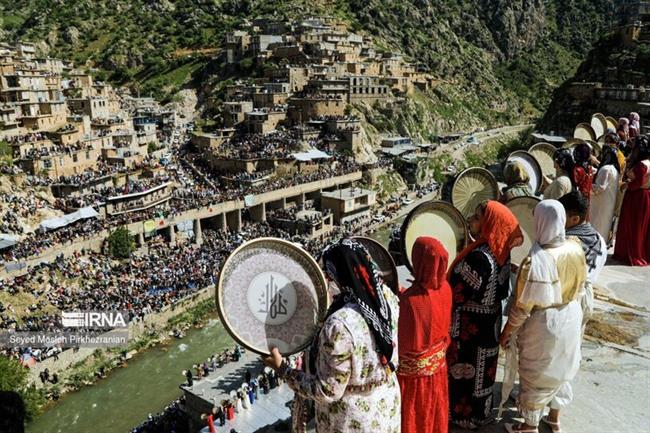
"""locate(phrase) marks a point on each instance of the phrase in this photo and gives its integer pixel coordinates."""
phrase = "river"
(123, 400)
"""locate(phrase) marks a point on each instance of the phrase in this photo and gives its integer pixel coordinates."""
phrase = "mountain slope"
(503, 57)
(611, 63)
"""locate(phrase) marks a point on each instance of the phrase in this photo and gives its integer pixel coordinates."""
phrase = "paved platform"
(268, 414)
(630, 284)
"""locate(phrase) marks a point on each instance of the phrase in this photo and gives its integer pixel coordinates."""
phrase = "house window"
(87, 154)
(47, 163)
(75, 158)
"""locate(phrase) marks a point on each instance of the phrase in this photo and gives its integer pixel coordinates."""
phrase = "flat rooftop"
(347, 193)
(270, 409)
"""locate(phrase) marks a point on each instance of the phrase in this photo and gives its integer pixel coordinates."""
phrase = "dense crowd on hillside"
(146, 283)
(185, 198)
(55, 149)
(276, 145)
(14, 207)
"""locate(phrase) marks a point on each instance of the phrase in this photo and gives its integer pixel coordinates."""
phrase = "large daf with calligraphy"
(271, 293)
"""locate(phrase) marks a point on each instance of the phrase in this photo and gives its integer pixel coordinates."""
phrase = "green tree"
(5, 153)
(151, 147)
(14, 377)
(121, 243)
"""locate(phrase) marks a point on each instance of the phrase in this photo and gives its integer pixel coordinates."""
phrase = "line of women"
(425, 358)
(614, 185)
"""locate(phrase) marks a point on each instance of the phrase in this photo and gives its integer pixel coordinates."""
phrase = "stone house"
(62, 164)
(234, 113)
(265, 120)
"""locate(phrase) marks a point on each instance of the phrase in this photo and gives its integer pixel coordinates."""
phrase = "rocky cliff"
(608, 81)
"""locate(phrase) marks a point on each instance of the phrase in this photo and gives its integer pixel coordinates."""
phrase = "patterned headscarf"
(349, 264)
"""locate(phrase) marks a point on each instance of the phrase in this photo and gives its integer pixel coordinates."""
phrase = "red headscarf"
(499, 229)
(430, 259)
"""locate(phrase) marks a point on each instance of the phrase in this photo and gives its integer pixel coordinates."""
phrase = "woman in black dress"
(479, 278)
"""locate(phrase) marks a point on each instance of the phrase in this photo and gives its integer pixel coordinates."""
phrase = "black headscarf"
(564, 158)
(348, 263)
(581, 155)
(608, 156)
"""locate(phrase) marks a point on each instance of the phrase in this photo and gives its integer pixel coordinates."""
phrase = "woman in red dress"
(582, 175)
(424, 320)
(633, 234)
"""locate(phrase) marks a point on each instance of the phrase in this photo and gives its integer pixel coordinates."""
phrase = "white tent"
(62, 221)
(310, 155)
(7, 241)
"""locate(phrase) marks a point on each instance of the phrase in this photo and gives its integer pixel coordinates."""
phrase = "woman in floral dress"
(479, 278)
(351, 365)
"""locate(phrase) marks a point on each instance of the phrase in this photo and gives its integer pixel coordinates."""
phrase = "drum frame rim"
(322, 309)
(441, 204)
(493, 182)
(392, 261)
(525, 198)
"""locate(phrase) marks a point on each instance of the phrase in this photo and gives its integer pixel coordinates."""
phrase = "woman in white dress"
(546, 316)
(244, 396)
(604, 192)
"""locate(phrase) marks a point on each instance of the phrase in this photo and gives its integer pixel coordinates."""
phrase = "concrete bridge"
(221, 216)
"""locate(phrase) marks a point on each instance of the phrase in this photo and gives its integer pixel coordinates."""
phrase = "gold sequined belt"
(425, 363)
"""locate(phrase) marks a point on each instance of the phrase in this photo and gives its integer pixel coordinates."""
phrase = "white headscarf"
(542, 288)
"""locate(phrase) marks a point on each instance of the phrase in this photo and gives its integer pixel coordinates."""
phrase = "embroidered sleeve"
(334, 366)
(471, 275)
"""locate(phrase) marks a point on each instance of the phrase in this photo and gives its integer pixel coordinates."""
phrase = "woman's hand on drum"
(274, 360)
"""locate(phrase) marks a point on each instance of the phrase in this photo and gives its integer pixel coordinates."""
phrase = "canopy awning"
(7, 241)
(310, 155)
(62, 221)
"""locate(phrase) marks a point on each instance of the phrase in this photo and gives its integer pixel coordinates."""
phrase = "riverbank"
(146, 384)
(78, 368)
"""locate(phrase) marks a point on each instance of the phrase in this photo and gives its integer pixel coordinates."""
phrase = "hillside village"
(110, 199)
(308, 76)
(79, 142)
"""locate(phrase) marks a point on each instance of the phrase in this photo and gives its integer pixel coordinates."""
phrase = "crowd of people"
(615, 181)
(276, 145)
(431, 359)
(31, 137)
(244, 396)
(173, 418)
(55, 149)
(185, 197)
(16, 207)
